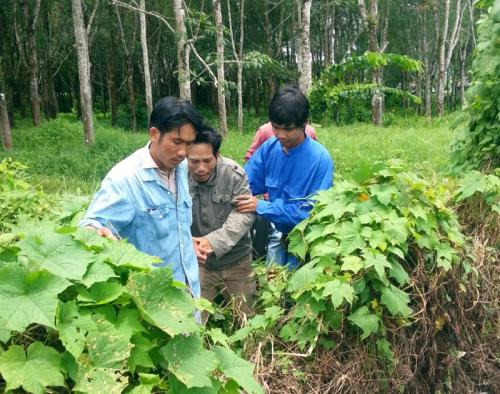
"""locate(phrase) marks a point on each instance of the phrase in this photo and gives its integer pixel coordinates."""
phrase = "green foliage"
(17, 195)
(56, 149)
(94, 316)
(343, 93)
(478, 144)
(487, 185)
(358, 248)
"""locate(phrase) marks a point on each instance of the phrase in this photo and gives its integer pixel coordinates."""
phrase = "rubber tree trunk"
(183, 73)
(4, 122)
(82, 52)
(304, 44)
(145, 59)
(33, 60)
(221, 81)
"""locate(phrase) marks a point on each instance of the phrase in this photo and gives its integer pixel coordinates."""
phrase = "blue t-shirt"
(291, 180)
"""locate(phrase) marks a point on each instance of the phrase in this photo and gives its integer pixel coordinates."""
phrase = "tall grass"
(59, 160)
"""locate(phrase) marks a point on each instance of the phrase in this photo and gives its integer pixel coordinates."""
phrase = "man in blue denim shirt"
(145, 198)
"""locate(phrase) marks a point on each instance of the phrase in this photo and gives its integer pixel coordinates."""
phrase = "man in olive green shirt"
(220, 234)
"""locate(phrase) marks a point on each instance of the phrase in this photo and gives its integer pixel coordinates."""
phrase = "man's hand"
(103, 232)
(245, 203)
(202, 249)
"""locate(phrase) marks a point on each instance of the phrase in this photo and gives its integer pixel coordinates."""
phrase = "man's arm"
(109, 211)
(287, 214)
(235, 226)
(257, 141)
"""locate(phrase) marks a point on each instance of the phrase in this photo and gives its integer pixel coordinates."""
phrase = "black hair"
(209, 136)
(171, 113)
(289, 107)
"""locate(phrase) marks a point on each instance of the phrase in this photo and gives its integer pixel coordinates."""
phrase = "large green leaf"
(368, 322)
(237, 369)
(338, 292)
(303, 277)
(100, 381)
(352, 263)
(189, 361)
(350, 237)
(97, 272)
(33, 371)
(28, 297)
(396, 301)
(100, 293)
(121, 253)
(163, 305)
(297, 245)
(107, 347)
(379, 262)
(73, 327)
(59, 254)
(384, 192)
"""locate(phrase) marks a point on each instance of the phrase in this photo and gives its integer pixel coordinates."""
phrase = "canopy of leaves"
(344, 90)
(478, 145)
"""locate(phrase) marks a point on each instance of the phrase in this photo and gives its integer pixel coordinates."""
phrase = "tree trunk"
(304, 43)
(371, 24)
(4, 123)
(131, 95)
(31, 23)
(221, 81)
(145, 59)
(441, 71)
(183, 73)
(112, 93)
(329, 35)
(82, 52)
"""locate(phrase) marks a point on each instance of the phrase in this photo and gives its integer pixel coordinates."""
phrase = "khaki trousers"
(236, 283)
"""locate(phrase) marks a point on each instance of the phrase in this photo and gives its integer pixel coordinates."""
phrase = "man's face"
(170, 150)
(288, 136)
(201, 161)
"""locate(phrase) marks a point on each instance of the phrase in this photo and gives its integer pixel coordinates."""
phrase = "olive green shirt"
(216, 219)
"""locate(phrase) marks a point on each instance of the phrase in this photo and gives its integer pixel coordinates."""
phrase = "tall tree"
(238, 55)
(145, 58)
(183, 50)
(4, 115)
(446, 52)
(82, 52)
(304, 44)
(129, 69)
(29, 51)
(221, 80)
(371, 22)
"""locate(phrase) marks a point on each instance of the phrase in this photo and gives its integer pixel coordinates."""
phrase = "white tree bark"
(304, 58)
(370, 22)
(145, 58)
(445, 53)
(238, 55)
(82, 52)
(221, 81)
(31, 54)
(5, 124)
(183, 73)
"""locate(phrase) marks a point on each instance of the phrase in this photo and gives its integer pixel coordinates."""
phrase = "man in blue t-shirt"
(291, 167)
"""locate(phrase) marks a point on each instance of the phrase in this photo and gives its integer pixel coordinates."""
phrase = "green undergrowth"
(386, 276)
(80, 313)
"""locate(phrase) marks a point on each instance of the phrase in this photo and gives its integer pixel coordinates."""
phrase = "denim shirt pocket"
(186, 211)
(157, 222)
